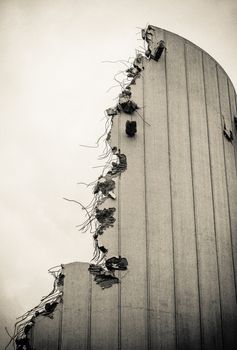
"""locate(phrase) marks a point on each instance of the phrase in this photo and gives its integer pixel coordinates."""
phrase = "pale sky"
(52, 98)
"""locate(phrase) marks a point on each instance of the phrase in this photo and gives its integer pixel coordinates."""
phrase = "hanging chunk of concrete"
(105, 185)
(103, 249)
(138, 62)
(106, 220)
(105, 216)
(131, 128)
(60, 281)
(106, 280)
(125, 104)
(121, 166)
(133, 72)
(115, 263)
(102, 277)
(50, 307)
(159, 50)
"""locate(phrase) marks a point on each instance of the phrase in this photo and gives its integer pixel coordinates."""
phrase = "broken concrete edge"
(105, 184)
(104, 268)
(46, 308)
(154, 49)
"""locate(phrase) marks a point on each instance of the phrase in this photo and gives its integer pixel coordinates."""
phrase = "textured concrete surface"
(176, 218)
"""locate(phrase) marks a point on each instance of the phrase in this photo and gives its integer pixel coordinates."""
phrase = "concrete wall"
(176, 218)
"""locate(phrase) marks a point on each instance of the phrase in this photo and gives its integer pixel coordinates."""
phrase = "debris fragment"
(95, 269)
(50, 307)
(133, 72)
(116, 263)
(159, 50)
(138, 62)
(106, 280)
(121, 166)
(105, 185)
(131, 128)
(125, 104)
(103, 277)
(103, 249)
(60, 281)
(105, 216)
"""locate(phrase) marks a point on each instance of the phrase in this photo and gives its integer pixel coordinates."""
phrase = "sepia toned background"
(53, 93)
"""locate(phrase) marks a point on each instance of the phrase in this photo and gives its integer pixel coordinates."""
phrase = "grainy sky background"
(52, 98)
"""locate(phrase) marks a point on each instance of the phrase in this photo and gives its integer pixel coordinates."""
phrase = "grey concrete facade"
(176, 219)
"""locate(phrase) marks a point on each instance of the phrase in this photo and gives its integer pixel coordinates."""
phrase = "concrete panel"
(76, 307)
(203, 204)
(104, 317)
(185, 258)
(232, 191)
(133, 232)
(231, 183)
(47, 331)
(158, 215)
(225, 263)
(104, 334)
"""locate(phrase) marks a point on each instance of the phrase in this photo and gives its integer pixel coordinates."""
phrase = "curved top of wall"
(191, 43)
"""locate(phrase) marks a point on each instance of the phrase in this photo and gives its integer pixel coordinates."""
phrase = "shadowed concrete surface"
(176, 218)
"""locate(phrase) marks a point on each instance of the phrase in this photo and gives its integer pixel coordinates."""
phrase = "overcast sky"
(52, 98)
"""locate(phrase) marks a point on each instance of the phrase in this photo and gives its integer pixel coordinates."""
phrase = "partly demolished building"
(163, 217)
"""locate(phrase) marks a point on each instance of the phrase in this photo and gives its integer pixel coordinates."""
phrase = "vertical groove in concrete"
(203, 203)
(170, 190)
(146, 221)
(104, 334)
(89, 313)
(213, 208)
(133, 282)
(190, 136)
(75, 307)
(159, 227)
(60, 327)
